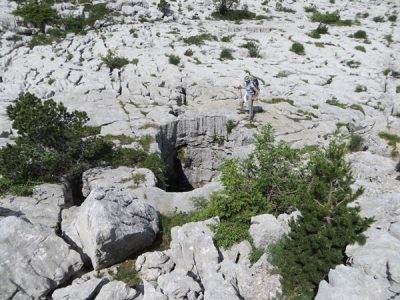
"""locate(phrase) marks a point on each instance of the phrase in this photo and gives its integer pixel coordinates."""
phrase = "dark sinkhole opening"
(177, 180)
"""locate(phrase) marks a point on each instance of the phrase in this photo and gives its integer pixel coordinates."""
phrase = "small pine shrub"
(360, 89)
(253, 48)
(226, 54)
(230, 125)
(164, 7)
(360, 48)
(330, 18)
(37, 13)
(173, 59)
(360, 34)
(392, 18)
(189, 52)
(199, 40)
(114, 62)
(297, 48)
(379, 19)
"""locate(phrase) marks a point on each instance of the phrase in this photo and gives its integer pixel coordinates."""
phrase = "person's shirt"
(250, 88)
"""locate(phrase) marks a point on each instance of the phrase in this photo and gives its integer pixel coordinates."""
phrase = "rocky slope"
(186, 108)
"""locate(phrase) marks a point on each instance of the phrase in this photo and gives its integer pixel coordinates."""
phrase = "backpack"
(256, 84)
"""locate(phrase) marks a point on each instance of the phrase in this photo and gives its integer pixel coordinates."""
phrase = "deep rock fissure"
(192, 149)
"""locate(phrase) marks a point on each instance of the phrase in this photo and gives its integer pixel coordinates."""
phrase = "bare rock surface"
(43, 207)
(195, 269)
(34, 259)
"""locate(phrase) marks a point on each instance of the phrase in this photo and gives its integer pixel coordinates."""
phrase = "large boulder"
(116, 290)
(34, 260)
(110, 225)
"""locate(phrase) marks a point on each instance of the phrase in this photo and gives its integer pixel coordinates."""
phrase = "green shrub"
(73, 24)
(253, 48)
(353, 64)
(379, 19)
(318, 239)
(225, 5)
(227, 38)
(336, 102)
(164, 7)
(38, 14)
(392, 18)
(360, 89)
(230, 125)
(330, 18)
(199, 40)
(360, 34)
(312, 8)
(297, 48)
(50, 143)
(234, 15)
(40, 39)
(226, 54)
(96, 12)
(360, 48)
(114, 62)
(189, 52)
(398, 89)
(173, 59)
(356, 143)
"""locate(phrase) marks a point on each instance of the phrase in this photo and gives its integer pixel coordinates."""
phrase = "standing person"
(250, 95)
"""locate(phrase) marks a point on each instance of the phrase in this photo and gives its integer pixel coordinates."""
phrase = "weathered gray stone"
(349, 283)
(152, 265)
(178, 285)
(80, 290)
(266, 229)
(110, 225)
(34, 260)
(43, 207)
(116, 290)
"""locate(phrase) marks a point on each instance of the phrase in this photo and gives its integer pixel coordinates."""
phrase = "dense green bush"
(51, 143)
(253, 48)
(37, 13)
(234, 15)
(225, 5)
(265, 182)
(199, 40)
(73, 24)
(360, 34)
(164, 7)
(318, 239)
(54, 143)
(114, 62)
(297, 48)
(174, 59)
(226, 54)
(330, 18)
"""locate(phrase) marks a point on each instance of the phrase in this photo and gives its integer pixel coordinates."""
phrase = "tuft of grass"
(189, 52)
(145, 141)
(357, 107)
(226, 54)
(297, 48)
(336, 102)
(360, 34)
(250, 126)
(199, 40)
(174, 59)
(122, 138)
(392, 141)
(353, 64)
(360, 48)
(356, 143)
(253, 49)
(311, 9)
(387, 71)
(280, 100)
(360, 88)
(227, 38)
(379, 19)
(127, 273)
